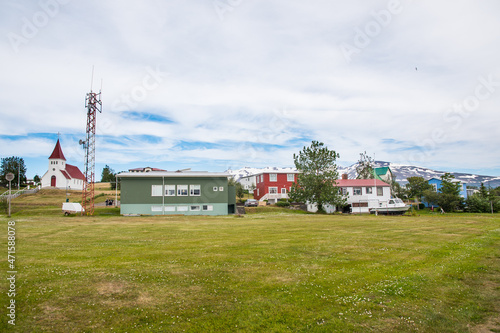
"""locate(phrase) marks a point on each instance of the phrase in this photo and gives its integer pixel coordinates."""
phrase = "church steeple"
(62, 175)
(57, 153)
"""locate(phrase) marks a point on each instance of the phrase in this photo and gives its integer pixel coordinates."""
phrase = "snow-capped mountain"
(401, 172)
(248, 171)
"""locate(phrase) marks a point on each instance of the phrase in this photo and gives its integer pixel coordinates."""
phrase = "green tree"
(487, 193)
(108, 176)
(431, 197)
(398, 191)
(36, 179)
(483, 201)
(13, 165)
(239, 191)
(483, 191)
(316, 182)
(449, 186)
(449, 198)
(417, 186)
(364, 169)
(476, 203)
(495, 191)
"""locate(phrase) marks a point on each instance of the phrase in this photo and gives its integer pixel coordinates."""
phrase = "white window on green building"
(208, 208)
(170, 190)
(156, 190)
(156, 208)
(182, 190)
(195, 190)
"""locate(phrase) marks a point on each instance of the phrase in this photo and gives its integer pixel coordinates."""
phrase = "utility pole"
(9, 177)
(93, 104)
(116, 190)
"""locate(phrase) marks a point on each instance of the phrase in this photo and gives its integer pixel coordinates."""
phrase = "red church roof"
(74, 172)
(57, 153)
(65, 174)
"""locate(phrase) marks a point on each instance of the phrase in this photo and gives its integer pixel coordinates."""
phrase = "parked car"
(251, 202)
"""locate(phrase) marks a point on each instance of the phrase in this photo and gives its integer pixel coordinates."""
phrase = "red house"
(274, 185)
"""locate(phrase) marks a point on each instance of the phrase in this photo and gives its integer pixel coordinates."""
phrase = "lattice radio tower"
(93, 104)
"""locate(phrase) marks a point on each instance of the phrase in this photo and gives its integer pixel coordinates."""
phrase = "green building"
(176, 192)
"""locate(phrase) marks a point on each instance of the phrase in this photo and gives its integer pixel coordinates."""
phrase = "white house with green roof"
(384, 174)
(176, 192)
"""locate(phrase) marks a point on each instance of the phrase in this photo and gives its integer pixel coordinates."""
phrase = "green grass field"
(270, 271)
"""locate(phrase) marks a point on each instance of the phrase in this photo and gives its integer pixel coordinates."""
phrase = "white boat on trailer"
(394, 206)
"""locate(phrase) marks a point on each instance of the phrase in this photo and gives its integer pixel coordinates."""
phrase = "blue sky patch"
(145, 116)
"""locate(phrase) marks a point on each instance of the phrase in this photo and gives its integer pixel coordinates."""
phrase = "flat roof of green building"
(173, 174)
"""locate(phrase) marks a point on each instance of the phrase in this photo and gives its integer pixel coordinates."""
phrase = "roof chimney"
(344, 176)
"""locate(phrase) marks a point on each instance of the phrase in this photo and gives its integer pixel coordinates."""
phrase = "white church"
(60, 174)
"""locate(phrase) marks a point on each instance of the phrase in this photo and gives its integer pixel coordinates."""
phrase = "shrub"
(282, 204)
(477, 204)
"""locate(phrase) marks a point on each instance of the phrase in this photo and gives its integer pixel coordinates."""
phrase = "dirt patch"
(110, 288)
(53, 313)
(145, 299)
(492, 325)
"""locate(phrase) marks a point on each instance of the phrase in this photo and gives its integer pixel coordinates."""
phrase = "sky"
(218, 84)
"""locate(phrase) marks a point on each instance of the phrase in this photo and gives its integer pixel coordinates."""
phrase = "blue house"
(436, 183)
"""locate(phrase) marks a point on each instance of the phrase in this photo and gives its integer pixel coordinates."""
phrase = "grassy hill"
(270, 271)
(49, 201)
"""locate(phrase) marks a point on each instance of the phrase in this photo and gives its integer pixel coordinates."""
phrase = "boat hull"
(389, 210)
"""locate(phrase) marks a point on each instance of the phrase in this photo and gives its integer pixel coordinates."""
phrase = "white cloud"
(268, 75)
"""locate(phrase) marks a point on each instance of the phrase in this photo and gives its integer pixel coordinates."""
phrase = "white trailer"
(71, 208)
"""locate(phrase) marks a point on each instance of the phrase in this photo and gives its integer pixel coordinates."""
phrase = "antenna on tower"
(93, 104)
(92, 79)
